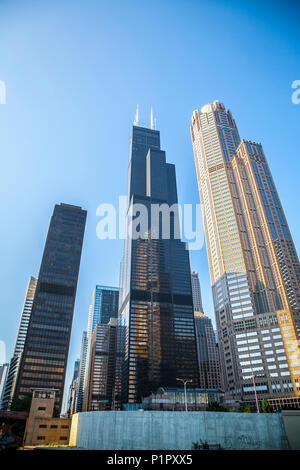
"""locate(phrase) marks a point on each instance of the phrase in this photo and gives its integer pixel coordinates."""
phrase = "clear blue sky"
(74, 72)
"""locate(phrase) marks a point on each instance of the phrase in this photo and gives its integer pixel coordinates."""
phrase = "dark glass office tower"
(46, 349)
(101, 367)
(208, 355)
(156, 334)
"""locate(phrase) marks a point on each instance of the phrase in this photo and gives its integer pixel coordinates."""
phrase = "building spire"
(151, 119)
(136, 120)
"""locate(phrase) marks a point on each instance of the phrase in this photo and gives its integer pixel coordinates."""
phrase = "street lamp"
(184, 381)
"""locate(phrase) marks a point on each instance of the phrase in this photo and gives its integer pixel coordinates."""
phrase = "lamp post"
(184, 381)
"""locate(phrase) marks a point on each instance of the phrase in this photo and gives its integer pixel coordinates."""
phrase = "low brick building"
(41, 427)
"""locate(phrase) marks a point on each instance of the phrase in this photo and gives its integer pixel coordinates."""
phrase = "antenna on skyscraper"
(155, 123)
(136, 121)
(151, 119)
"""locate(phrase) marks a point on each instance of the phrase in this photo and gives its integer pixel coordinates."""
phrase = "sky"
(74, 72)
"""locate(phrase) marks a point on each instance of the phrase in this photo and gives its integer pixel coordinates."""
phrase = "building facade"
(252, 261)
(41, 427)
(196, 290)
(13, 372)
(73, 390)
(101, 367)
(82, 372)
(104, 306)
(3, 376)
(44, 359)
(175, 399)
(208, 354)
(156, 341)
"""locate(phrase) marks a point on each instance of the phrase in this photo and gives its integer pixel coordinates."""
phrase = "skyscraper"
(156, 332)
(73, 390)
(207, 350)
(196, 289)
(104, 306)
(12, 376)
(253, 264)
(101, 367)
(82, 372)
(3, 376)
(46, 349)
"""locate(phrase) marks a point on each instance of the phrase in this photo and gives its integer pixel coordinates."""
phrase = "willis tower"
(156, 332)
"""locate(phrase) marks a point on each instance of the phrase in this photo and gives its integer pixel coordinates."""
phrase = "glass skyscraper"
(156, 331)
(196, 289)
(12, 376)
(46, 348)
(208, 355)
(104, 306)
(253, 263)
(101, 367)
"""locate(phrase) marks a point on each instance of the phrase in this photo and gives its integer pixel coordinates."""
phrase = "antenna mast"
(136, 120)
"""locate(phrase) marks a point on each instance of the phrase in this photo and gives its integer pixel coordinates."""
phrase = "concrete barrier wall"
(171, 430)
(291, 422)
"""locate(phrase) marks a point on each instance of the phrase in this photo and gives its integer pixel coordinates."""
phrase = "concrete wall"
(291, 421)
(171, 430)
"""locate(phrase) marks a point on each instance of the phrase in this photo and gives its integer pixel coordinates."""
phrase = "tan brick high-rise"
(254, 267)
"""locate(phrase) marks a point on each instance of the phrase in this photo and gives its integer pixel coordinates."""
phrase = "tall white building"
(13, 371)
(3, 375)
(252, 261)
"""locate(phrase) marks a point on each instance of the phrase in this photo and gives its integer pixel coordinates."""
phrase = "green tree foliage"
(266, 407)
(245, 408)
(21, 404)
(215, 406)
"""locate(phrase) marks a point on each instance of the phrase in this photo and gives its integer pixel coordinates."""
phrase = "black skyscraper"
(156, 334)
(47, 343)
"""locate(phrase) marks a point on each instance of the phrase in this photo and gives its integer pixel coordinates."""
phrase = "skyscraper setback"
(156, 342)
(45, 354)
(253, 263)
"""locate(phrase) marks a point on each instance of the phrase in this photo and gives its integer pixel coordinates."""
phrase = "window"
(41, 408)
(63, 438)
(42, 425)
(41, 438)
(65, 426)
(53, 426)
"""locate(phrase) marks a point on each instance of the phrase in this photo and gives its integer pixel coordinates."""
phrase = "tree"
(245, 408)
(266, 407)
(215, 406)
(21, 404)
